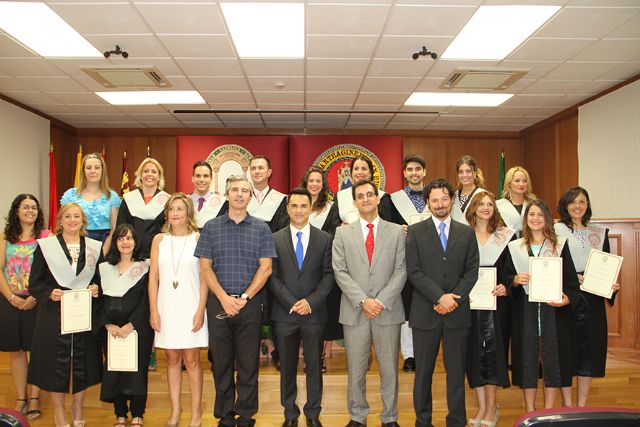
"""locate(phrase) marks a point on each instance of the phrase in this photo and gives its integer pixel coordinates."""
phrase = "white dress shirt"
(365, 229)
(447, 226)
(306, 230)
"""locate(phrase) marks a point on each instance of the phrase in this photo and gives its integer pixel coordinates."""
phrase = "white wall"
(609, 152)
(24, 149)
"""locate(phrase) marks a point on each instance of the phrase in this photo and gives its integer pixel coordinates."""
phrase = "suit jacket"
(314, 281)
(382, 280)
(434, 272)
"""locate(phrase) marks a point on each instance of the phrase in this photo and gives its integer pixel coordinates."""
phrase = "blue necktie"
(443, 236)
(299, 250)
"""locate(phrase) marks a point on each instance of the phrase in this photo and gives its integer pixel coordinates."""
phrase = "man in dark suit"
(442, 266)
(301, 281)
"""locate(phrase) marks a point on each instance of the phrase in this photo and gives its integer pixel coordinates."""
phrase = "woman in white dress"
(177, 300)
(470, 182)
(516, 196)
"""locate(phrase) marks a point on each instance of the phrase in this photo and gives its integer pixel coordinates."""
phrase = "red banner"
(334, 154)
(230, 155)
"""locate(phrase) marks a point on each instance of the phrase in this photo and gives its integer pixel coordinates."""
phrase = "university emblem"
(227, 160)
(336, 162)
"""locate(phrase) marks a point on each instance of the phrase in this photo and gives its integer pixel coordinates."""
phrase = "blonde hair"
(63, 210)
(138, 180)
(528, 194)
(104, 178)
(192, 225)
(478, 180)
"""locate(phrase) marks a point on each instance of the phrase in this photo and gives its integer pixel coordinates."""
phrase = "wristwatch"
(245, 297)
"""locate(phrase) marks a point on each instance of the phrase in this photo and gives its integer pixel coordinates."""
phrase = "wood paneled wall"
(443, 151)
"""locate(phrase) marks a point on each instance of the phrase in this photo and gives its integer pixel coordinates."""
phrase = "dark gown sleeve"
(333, 220)
(145, 229)
(606, 247)
(40, 284)
(280, 218)
(509, 274)
(385, 208)
(396, 216)
(124, 216)
(570, 284)
(139, 317)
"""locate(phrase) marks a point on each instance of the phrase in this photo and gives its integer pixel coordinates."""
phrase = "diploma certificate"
(481, 295)
(122, 353)
(546, 279)
(75, 311)
(601, 273)
(416, 218)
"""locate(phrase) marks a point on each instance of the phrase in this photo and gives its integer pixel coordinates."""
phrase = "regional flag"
(76, 179)
(124, 184)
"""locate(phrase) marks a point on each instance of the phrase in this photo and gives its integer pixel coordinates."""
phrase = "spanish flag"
(124, 185)
(53, 190)
(501, 174)
(76, 180)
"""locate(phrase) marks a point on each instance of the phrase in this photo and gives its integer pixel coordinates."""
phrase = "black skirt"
(17, 326)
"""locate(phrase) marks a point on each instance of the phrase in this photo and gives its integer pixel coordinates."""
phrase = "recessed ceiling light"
(266, 30)
(439, 99)
(40, 29)
(152, 97)
(493, 32)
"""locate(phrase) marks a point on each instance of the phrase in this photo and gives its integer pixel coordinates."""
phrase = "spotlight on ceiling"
(424, 52)
(116, 51)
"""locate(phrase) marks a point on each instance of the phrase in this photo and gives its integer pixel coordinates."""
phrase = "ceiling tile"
(539, 49)
(444, 127)
(335, 46)
(455, 119)
(175, 18)
(414, 118)
(38, 99)
(370, 118)
(428, 20)
(510, 111)
(442, 68)
(220, 83)
(273, 67)
(77, 98)
(331, 97)
(328, 107)
(553, 86)
(365, 125)
(198, 46)
(57, 84)
(623, 72)
(239, 117)
(337, 67)
(244, 125)
(136, 45)
(610, 50)
(388, 84)
(232, 105)
(346, 18)
(141, 109)
(536, 69)
(361, 106)
(631, 28)
(151, 118)
(429, 84)
(195, 117)
(212, 124)
(409, 126)
(269, 84)
(581, 70)
(530, 100)
(398, 68)
(10, 84)
(347, 84)
(292, 106)
(29, 67)
(382, 98)
(11, 49)
(210, 67)
(93, 109)
(102, 18)
(275, 97)
(586, 22)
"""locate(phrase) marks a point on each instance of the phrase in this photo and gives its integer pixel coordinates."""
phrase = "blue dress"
(98, 212)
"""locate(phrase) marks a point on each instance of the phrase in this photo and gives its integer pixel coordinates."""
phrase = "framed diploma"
(122, 353)
(352, 216)
(416, 218)
(75, 311)
(546, 279)
(601, 273)
(481, 296)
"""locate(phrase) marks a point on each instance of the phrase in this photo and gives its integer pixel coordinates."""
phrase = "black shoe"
(409, 364)
(222, 424)
(324, 366)
(290, 423)
(392, 423)
(355, 424)
(313, 422)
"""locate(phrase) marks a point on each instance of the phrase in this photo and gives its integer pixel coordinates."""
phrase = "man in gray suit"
(442, 265)
(302, 278)
(369, 267)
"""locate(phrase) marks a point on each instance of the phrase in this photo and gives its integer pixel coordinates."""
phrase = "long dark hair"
(548, 231)
(563, 206)
(495, 222)
(12, 228)
(478, 181)
(113, 256)
(325, 194)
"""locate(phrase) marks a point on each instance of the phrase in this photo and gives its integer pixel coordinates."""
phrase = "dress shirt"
(365, 229)
(195, 197)
(306, 230)
(416, 197)
(260, 195)
(447, 226)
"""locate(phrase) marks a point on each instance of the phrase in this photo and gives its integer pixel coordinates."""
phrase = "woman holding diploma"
(64, 266)
(99, 202)
(591, 320)
(25, 224)
(177, 298)
(516, 196)
(488, 342)
(470, 182)
(542, 333)
(125, 309)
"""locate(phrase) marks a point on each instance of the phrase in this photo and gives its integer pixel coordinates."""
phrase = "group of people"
(389, 273)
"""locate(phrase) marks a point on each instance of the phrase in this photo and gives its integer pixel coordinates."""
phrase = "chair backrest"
(580, 417)
(12, 418)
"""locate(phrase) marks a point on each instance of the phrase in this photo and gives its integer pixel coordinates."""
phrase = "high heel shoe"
(79, 423)
(177, 421)
(489, 423)
(24, 407)
(199, 424)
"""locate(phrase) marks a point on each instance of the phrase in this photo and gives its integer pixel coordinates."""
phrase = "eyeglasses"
(29, 207)
(368, 195)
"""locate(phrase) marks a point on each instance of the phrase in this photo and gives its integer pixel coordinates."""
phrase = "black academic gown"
(558, 339)
(131, 307)
(146, 229)
(52, 354)
(488, 345)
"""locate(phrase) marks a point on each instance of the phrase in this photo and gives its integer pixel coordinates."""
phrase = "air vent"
(482, 78)
(114, 77)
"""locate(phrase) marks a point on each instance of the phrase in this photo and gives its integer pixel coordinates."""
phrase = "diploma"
(416, 218)
(122, 353)
(546, 279)
(352, 216)
(75, 311)
(481, 296)
(601, 273)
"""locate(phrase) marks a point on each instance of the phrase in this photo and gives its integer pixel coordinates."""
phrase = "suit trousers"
(426, 343)
(235, 345)
(289, 336)
(386, 343)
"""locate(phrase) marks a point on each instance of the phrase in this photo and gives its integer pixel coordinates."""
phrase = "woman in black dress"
(470, 182)
(589, 309)
(488, 347)
(66, 261)
(124, 279)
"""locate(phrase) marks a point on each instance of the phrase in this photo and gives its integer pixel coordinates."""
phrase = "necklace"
(173, 264)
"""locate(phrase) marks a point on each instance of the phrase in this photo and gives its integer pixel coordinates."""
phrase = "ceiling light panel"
(493, 32)
(40, 29)
(266, 30)
(457, 99)
(152, 97)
